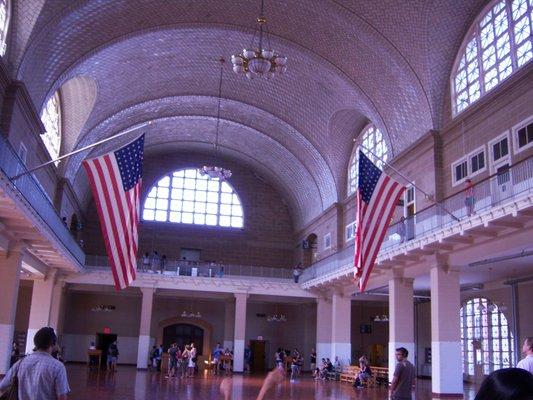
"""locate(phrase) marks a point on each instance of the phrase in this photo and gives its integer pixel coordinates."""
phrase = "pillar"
(41, 306)
(240, 331)
(143, 350)
(10, 265)
(446, 373)
(56, 310)
(229, 323)
(323, 328)
(341, 340)
(401, 320)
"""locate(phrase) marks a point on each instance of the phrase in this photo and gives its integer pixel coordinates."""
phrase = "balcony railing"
(492, 191)
(31, 190)
(196, 268)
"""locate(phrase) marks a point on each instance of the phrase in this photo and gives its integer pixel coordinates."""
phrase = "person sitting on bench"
(363, 375)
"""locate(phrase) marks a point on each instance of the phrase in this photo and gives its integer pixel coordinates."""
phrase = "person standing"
(112, 357)
(146, 262)
(296, 272)
(469, 197)
(403, 381)
(313, 359)
(217, 352)
(192, 361)
(527, 362)
(155, 261)
(162, 264)
(40, 376)
(248, 359)
(172, 360)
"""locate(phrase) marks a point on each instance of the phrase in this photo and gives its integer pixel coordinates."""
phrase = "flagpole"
(80, 150)
(437, 203)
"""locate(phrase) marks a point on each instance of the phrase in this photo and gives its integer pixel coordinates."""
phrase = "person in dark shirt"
(403, 381)
(172, 360)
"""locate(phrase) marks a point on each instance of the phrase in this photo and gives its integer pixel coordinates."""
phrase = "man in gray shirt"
(40, 376)
(403, 381)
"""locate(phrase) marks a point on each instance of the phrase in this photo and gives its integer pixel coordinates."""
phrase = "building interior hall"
(254, 115)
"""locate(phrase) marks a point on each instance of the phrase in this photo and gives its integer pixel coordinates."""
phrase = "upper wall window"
(372, 143)
(4, 25)
(187, 197)
(498, 44)
(51, 117)
(523, 135)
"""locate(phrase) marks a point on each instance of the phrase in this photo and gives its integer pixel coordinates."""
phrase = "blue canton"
(130, 163)
(369, 176)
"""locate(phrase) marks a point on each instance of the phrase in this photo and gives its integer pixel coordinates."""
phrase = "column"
(9, 277)
(447, 376)
(240, 331)
(41, 306)
(56, 310)
(143, 350)
(323, 328)
(341, 320)
(229, 323)
(401, 320)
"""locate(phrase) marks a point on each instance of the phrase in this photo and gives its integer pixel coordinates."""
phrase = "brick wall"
(266, 239)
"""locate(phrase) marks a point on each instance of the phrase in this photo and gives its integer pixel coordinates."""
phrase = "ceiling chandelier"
(381, 318)
(277, 318)
(186, 314)
(259, 61)
(212, 171)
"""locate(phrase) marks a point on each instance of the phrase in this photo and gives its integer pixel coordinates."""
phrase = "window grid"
(51, 118)
(4, 25)
(373, 140)
(486, 339)
(500, 43)
(187, 197)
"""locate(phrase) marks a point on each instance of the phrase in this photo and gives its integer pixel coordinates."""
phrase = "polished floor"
(128, 383)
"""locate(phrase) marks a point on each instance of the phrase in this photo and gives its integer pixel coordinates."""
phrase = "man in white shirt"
(527, 362)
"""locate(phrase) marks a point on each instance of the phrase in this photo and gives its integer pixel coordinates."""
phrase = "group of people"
(156, 263)
(321, 371)
(181, 362)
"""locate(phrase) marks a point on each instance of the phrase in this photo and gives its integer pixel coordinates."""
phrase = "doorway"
(184, 334)
(103, 341)
(409, 212)
(258, 348)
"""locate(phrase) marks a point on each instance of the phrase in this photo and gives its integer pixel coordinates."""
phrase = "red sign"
(107, 330)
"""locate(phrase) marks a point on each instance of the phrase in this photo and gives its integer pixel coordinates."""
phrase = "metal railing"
(32, 191)
(195, 268)
(492, 191)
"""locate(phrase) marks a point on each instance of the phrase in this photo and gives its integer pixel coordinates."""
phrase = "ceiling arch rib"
(384, 82)
(238, 113)
(245, 145)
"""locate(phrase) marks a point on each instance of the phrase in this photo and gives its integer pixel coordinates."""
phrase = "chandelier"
(103, 307)
(276, 318)
(210, 170)
(381, 318)
(186, 314)
(259, 61)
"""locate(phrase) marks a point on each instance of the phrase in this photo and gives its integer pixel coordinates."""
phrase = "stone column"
(446, 373)
(323, 328)
(229, 323)
(41, 306)
(240, 331)
(341, 320)
(143, 350)
(56, 320)
(10, 277)
(401, 320)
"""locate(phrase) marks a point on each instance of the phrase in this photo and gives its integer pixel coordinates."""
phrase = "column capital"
(438, 260)
(148, 290)
(241, 295)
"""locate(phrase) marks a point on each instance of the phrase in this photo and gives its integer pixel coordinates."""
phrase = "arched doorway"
(310, 247)
(183, 334)
(207, 328)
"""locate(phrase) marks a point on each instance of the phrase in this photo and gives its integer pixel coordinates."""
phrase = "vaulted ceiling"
(124, 62)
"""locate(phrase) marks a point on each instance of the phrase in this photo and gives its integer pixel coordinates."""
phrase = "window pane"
(193, 199)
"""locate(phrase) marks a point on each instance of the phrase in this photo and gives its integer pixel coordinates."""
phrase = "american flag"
(115, 180)
(377, 195)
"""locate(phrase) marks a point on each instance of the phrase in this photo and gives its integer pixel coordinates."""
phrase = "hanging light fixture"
(277, 317)
(215, 172)
(191, 314)
(259, 61)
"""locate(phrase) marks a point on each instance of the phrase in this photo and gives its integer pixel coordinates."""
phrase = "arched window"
(486, 340)
(51, 117)
(498, 44)
(4, 25)
(187, 197)
(371, 139)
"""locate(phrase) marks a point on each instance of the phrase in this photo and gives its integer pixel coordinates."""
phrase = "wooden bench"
(381, 375)
(335, 374)
(349, 373)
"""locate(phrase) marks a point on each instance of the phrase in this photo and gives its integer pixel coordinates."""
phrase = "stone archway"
(206, 326)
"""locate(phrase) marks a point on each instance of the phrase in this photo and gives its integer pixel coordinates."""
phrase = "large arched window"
(187, 197)
(51, 117)
(498, 44)
(486, 340)
(4, 25)
(371, 139)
